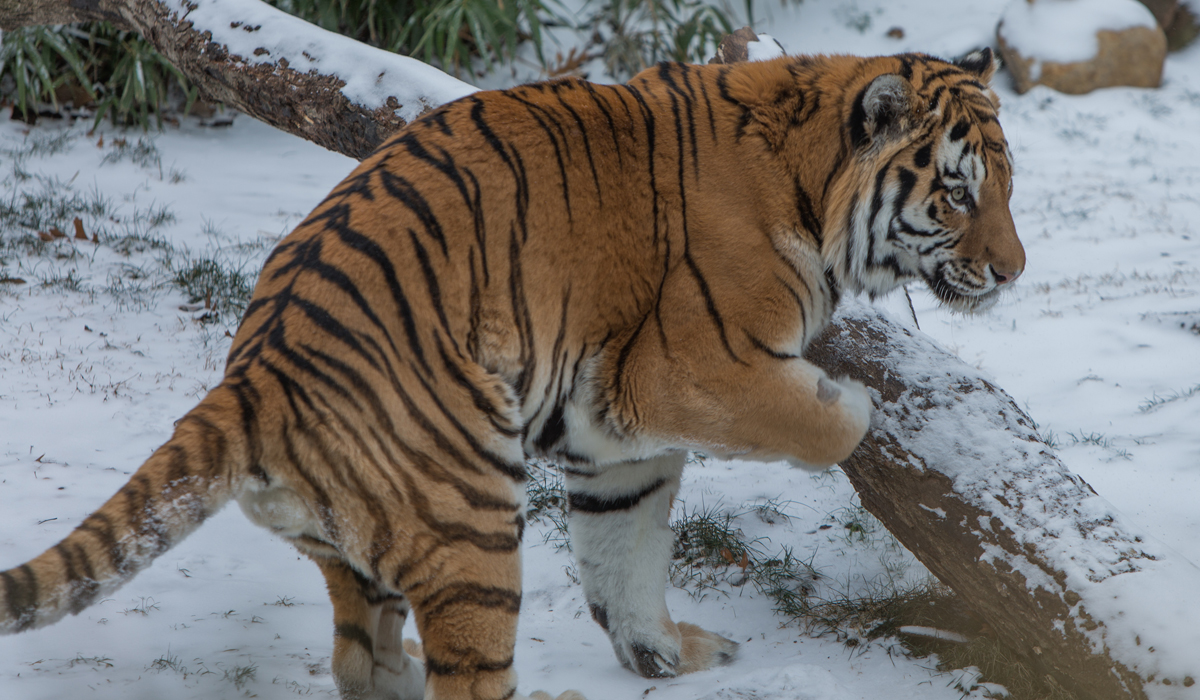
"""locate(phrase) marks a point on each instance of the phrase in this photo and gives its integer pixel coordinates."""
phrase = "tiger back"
(607, 276)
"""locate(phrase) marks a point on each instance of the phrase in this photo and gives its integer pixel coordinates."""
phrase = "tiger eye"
(958, 194)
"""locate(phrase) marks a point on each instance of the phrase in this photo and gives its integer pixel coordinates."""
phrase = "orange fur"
(655, 255)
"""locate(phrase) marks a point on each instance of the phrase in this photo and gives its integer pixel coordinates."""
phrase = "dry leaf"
(57, 232)
(45, 236)
(79, 234)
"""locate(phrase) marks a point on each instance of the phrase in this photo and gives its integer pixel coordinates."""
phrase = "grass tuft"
(1156, 402)
(224, 287)
(240, 675)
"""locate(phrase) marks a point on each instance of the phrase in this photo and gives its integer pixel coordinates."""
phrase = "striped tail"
(183, 482)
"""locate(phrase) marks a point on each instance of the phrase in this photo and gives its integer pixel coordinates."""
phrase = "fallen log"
(957, 472)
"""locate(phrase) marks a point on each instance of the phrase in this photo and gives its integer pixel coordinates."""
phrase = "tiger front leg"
(757, 406)
(622, 542)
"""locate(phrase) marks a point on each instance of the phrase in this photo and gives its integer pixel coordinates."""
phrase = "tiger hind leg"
(369, 659)
(622, 540)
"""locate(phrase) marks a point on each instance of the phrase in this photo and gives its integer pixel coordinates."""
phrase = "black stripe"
(585, 503)
(99, 525)
(960, 130)
(516, 472)
(808, 216)
(612, 127)
(480, 399)
(664, 72)
(587, 143)
(858, 120)
(651, 138)
(441, 668)
(376, 254)
(552, 430)
(471, 595)
(83, 585)
(355, 633)
(922, 156)
(445, 165)
(766, 349)
(799, 302)
(712, 124)
(324, 509)
(480, 225)
(404, 192)
(522, 318)
(711, 305)
(851, 233)
(335, 328)
(22, 597)
(837, 168)
(140, 515)
(908, 180)
(877, 200)
(513, 163)
(558, 153)
(432, 286)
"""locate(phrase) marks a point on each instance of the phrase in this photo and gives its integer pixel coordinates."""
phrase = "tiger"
(605, 276)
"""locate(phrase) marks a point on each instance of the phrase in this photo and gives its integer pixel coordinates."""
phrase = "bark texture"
(956, 471)
(310, 104)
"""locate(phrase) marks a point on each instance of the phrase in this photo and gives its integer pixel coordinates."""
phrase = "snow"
(261, 34)
(1095, 342)
(764, 49)
(1064, 31)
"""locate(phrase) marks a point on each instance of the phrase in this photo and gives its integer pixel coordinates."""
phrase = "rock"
(1076, 46)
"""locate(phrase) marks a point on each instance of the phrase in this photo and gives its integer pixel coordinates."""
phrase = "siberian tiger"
(604, 275)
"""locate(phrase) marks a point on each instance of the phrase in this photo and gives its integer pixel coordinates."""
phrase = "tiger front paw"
(855, 404)
(849, 402)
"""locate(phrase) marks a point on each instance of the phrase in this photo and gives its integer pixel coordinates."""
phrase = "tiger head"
(925, 194)
(895, 166)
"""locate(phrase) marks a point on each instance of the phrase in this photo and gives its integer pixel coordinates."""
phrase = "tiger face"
(931, 153)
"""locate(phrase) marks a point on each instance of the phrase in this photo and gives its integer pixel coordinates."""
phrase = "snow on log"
(956, 471)
(324, 87)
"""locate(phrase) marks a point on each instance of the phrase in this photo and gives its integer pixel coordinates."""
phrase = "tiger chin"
(606, 276)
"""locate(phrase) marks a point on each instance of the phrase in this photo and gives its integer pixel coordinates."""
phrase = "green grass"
(106, 72)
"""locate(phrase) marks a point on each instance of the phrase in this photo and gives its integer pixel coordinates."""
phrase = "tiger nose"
(1005, 276)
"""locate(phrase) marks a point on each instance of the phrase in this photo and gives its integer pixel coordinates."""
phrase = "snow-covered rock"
(1076, 46)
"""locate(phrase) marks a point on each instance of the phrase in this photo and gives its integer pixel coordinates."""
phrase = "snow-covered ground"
(1100, 341)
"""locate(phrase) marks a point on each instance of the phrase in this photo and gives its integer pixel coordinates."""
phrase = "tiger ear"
(883, 111)
(981, 63)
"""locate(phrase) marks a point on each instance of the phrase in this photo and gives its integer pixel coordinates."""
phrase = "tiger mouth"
(960, 300)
